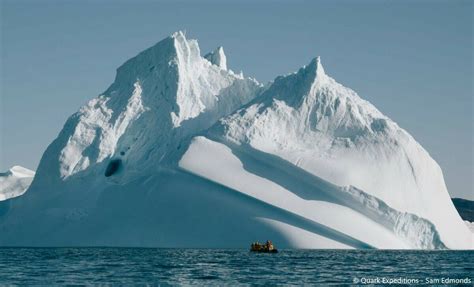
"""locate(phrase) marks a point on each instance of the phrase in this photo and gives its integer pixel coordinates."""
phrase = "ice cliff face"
(180, 151)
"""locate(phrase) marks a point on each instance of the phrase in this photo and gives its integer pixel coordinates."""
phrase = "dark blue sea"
(132, 266)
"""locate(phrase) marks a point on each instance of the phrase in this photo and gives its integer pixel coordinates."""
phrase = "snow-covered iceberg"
(181, 151)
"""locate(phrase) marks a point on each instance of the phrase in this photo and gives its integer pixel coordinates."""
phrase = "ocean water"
(130, 266)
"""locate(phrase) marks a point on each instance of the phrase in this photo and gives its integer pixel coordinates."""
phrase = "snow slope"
(285, 186)
(182, 152)
(15, 182)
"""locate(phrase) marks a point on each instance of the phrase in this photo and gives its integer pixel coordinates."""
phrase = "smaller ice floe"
(15, 182)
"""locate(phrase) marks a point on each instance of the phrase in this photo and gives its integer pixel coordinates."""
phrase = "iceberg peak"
(316, 67)
(178, 34)
(218, 58)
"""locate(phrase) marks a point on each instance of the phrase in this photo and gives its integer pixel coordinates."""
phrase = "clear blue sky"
(413, 60)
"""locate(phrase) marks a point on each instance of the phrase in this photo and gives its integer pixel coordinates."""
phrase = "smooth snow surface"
(15, 182)
(182, 152)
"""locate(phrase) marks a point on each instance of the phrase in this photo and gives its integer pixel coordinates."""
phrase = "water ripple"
(78, 266)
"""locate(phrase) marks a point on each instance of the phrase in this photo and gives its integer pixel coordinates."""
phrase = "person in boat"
(266, 247)
(256, 246)
(269, 245)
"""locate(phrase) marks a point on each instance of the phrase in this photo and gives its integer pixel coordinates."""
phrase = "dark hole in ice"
(122, 153)
(113, 167)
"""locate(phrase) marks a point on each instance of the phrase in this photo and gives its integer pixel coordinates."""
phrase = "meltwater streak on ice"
(112, 178)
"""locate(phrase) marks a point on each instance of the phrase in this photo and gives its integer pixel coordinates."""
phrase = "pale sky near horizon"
(412, 60)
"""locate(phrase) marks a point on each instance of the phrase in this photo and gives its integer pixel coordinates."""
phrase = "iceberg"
(180, 151)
